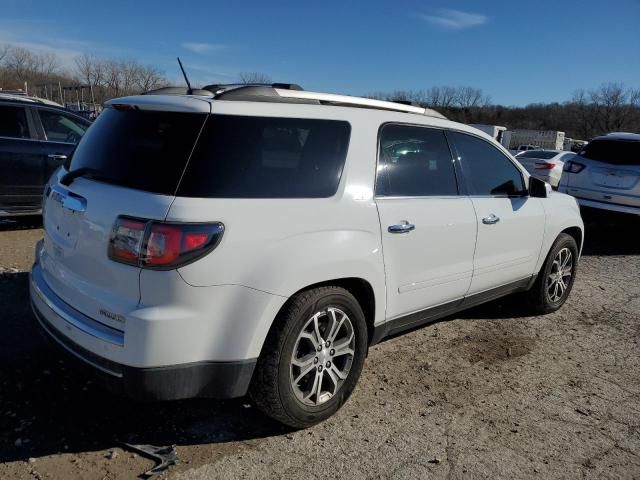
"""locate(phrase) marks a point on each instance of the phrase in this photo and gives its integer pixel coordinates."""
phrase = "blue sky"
(517, 52)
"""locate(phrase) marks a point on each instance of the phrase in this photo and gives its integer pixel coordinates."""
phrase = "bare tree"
(254, 77)
(470, 97)
(613, 105)
(4, 51)
(149, 78)
(29, 66)
(90, 69)
(441, 97)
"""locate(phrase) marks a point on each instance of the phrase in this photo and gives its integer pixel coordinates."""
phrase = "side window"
(487, 170)
(267, 157)
(61, 128)
(414, 162)
(13, 122)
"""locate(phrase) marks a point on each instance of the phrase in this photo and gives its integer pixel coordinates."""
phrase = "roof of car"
(26, 99)
(283, 99)
(634, 137)
(289, 93)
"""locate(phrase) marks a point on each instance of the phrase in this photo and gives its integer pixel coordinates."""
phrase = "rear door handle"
(56, 156)
(404, 227)
(491, 219)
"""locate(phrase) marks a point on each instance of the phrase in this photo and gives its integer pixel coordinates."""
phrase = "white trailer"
(495, 131)
(547, 139)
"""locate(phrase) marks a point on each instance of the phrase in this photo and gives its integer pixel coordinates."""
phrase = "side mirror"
(537, 188)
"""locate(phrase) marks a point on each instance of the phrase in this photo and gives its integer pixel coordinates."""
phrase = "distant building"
(548, 139)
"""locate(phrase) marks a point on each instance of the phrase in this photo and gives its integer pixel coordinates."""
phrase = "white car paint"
(605, 183)
(546, 169)
(221, 307)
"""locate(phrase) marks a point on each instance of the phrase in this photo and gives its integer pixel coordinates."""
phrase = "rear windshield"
(617, 152)
(538, 154)
(144, 150)
(267, 157)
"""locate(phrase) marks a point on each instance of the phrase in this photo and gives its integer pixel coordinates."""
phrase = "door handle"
(56, 156)
(404, 227)
(491, 219)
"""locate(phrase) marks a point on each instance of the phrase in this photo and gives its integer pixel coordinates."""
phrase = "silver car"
(606, 174)
(545, 164)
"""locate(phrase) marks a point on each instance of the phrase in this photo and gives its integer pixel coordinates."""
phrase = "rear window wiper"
(82, 172)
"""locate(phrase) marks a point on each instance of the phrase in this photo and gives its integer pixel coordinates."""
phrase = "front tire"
(312, 358)
(555, 280)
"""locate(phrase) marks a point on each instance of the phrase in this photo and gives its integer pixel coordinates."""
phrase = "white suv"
(258, 239)
(606, 174)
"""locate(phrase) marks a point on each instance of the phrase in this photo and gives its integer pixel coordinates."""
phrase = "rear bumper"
(614, 207)
(200, 379)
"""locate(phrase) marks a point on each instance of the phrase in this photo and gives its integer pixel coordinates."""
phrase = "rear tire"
(312, 358)
(555, 279)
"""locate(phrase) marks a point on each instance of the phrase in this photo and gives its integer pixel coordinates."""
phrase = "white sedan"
(545, 164)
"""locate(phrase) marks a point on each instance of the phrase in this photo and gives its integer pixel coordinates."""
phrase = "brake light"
(573, 167)
(544, 165)
(126, 240)
(161, 245)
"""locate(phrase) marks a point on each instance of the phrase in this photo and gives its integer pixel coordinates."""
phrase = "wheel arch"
(360, 288)
(577, 235)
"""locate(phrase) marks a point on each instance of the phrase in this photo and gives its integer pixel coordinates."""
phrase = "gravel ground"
(489, 393)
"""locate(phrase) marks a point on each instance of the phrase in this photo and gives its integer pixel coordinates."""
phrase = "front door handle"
(404, 227)
(491, 219)
(56, 156)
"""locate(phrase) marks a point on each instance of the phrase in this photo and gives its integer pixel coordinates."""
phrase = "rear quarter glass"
(267, 157)
(144, 150)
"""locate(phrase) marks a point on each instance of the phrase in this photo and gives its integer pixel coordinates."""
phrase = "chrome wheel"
(322, 356)
(560, 275)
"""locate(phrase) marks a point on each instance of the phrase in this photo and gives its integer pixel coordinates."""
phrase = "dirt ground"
(488, 394)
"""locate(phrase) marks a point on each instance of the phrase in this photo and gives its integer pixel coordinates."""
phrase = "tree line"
(590, 112)
(611, 107)
(105, 78)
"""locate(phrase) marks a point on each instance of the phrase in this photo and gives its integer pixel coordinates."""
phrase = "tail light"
(544, 165)
(162, 245)
(573, 167)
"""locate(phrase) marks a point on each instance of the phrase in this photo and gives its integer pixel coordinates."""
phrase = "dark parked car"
(36, 137)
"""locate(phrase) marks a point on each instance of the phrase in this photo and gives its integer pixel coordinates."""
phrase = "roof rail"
(27, 99)
(217, 89)
(349, 101)
(179, 91)
(291, 93)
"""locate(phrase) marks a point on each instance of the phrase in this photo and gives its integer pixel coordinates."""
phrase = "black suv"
(35, 139)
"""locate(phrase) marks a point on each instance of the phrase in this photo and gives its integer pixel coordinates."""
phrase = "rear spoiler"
(164, 103)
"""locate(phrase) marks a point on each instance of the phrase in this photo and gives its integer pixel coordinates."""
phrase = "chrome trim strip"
(418, 197)
(16, 213)
(2, 137)
(72, 316)
(72, 352)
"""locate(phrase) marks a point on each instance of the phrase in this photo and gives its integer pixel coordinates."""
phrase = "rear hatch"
(133, 157)
(606, 170)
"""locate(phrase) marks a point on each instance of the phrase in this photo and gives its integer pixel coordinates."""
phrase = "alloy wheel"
(322, 356)
(560, 275)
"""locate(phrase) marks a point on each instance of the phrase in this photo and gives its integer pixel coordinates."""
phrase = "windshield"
(617, 152)
(541, 154)
(145, 150)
